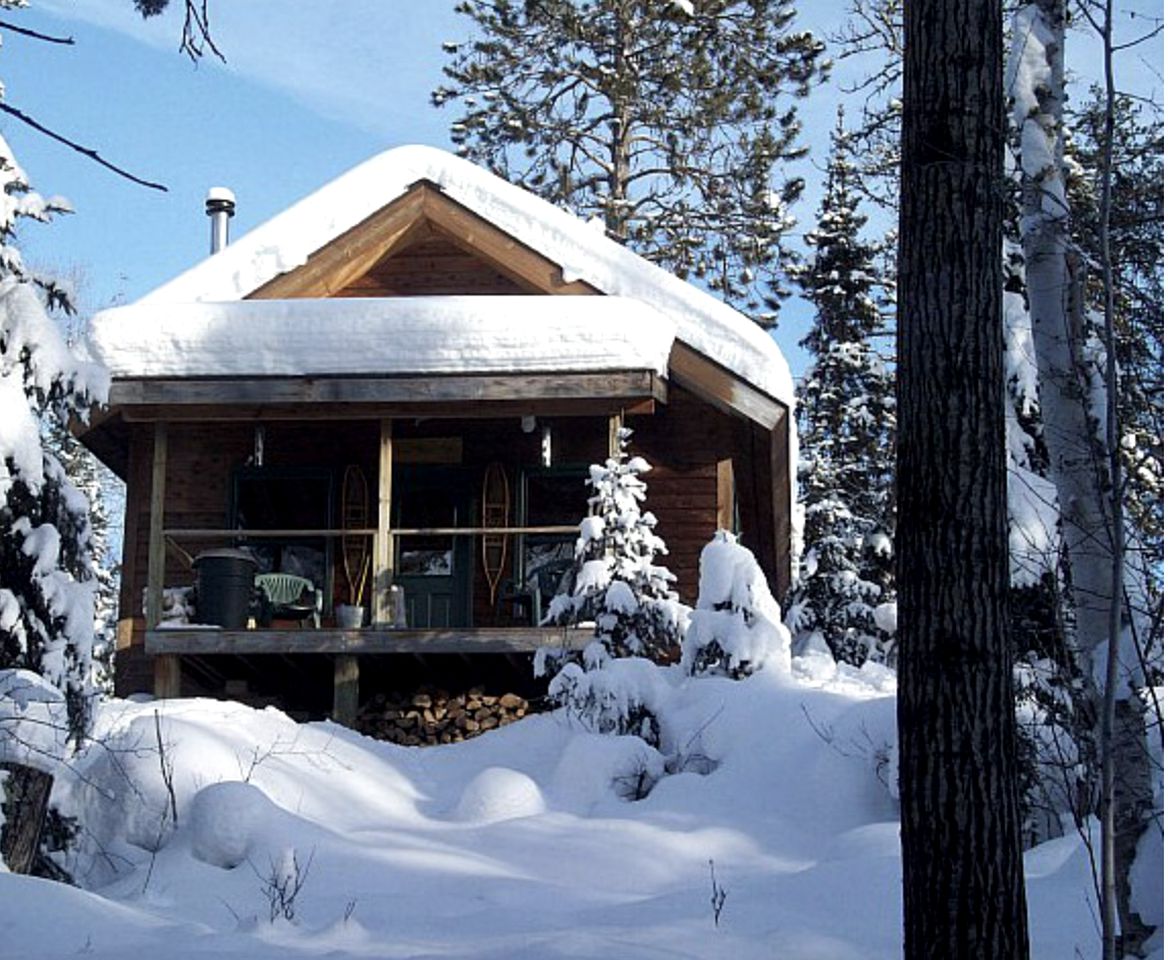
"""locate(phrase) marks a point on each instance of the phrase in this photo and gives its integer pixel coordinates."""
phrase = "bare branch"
(73, 145)
(35, 34)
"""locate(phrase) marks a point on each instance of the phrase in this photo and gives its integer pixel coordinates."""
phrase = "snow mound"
(499, 793)
(224, 819)
(737, 627)
(594, 766)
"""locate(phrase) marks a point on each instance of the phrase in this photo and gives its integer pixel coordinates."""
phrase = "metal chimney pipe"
(220, 208)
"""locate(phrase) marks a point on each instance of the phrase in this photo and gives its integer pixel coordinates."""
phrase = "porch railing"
(172, 535)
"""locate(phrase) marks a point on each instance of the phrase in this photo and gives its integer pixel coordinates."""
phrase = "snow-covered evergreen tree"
(617, 583)
(619, 587)
(847, 419)
(98, 486)
(46, 579)
(667, 119)
(737, 626)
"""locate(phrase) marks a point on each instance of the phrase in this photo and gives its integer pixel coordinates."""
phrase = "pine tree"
(618, 586)
(666, 118)
(617, 583)
(847, 422)
(46, 585)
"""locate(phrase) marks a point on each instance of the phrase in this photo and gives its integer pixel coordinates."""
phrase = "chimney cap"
(220, 199)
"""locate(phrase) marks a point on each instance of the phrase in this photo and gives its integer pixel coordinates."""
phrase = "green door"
(433, 570)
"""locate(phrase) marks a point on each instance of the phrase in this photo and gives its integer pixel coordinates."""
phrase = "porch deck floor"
(371, 640)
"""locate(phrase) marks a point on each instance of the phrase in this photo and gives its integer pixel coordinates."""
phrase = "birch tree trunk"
(1082, 438)
(960, 827)
(1078, 466)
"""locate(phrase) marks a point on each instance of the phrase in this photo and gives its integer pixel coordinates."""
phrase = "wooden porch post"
(615, 422)
(383, 614)
(346, 688)
(725, 496)
(346, 669)
(782, 498)
(166, 666)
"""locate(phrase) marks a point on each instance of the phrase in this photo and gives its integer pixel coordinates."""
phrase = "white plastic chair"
(284, 596)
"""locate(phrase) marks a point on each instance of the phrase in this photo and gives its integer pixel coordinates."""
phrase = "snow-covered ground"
(516, 844)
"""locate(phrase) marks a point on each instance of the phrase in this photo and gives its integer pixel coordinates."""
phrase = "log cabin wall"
(684, 443)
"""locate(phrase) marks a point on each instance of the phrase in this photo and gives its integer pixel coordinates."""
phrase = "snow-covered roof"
(382, 336)
(287, 240)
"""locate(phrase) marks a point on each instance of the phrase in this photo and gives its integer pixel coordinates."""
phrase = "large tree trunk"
(26, 801)
(960, 836)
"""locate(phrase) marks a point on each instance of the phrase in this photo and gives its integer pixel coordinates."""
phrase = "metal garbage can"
(225, 580)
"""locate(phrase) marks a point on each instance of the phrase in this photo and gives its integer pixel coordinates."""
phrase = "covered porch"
(267, 478)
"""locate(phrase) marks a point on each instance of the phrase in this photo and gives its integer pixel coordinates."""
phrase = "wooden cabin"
(468, 350)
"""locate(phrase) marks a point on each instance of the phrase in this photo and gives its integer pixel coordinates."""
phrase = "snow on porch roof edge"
(372, 336)
(287, 240)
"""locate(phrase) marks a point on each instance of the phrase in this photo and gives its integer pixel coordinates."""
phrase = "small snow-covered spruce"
(618, 586)
(46, 578)
(847, 421)
(737, 625)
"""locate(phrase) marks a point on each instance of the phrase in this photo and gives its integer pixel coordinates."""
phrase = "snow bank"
(286, 241)
(422, 335)
(520, 843)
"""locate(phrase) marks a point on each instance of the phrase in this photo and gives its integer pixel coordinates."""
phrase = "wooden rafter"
(422, 211)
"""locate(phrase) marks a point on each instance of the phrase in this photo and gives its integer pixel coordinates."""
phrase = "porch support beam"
(382, 607)
(167, 673)
(615, 422)
(726, 496)
(346, 689)
(624, 387)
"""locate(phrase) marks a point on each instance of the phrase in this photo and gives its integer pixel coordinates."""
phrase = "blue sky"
(309, 90)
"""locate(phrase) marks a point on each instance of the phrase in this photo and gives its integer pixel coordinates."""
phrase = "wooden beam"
(468, 640)
(783, 496)
(726, 497)
(615, 422)
(346, 689)
(342, 412)
(518, 262)
(260, 392)
(156, 562)
(345, 258)
(167, 676)
(722, 389)
(382, 607)
(237, 533)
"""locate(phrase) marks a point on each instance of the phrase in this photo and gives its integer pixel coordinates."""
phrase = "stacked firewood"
(432, 716)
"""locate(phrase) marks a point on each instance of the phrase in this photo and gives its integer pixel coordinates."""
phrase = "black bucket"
(226, 579)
